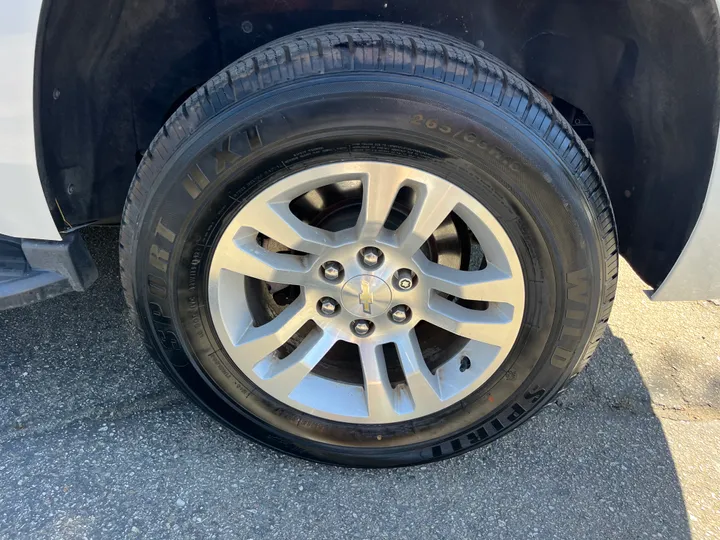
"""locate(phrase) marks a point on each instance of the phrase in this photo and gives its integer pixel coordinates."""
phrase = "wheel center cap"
(366, 296)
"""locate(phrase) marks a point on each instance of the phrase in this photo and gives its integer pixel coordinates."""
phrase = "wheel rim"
(366, 285)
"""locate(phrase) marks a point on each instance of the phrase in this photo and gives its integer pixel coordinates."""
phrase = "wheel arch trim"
(696, 273)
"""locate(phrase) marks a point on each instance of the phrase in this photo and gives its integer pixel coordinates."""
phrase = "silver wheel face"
(365, 284)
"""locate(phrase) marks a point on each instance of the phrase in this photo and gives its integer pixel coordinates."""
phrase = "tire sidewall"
(426, 125)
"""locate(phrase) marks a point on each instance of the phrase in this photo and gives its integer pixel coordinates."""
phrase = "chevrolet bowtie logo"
(366, 297)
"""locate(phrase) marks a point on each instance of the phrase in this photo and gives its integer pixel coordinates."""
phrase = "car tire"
(334, 103)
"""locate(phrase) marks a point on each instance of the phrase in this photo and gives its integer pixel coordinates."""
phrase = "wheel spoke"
(489, 284)
(259, 341)
(276, 220)
(380, 187)
(378, 391)
(491, 326)
(423, 385)
(434, 203)
(244, 256)
(283, 376)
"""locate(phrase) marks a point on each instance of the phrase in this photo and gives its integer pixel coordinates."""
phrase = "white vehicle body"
(25, 211)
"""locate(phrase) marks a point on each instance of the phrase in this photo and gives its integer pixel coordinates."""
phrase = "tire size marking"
(193, 274)
(193, 309)
(469, 138)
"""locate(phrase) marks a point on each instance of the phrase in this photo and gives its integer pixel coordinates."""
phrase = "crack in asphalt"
(109, 411)
(702, 413)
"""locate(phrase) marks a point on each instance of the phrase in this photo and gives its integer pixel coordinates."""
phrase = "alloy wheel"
(371, 285)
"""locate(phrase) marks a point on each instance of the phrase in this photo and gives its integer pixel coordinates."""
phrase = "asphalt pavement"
(95, 443)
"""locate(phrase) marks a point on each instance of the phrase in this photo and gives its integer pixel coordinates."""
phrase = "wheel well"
(109, 73)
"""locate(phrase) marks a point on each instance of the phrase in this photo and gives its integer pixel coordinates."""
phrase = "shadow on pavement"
(94, 442)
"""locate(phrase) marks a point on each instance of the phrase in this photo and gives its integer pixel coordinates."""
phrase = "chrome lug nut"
(332, 270)
(328, 306)
(370, 256)
(405, 279)
(362, 327)
(400, 314)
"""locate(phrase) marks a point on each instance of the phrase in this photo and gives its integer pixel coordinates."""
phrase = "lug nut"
(405, 279)
(328, 306)
(362, 327)
(400, 314)
(370, 256)
(332, 270)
